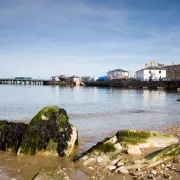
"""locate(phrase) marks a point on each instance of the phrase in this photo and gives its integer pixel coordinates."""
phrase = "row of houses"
(157, 72)
(151, 72)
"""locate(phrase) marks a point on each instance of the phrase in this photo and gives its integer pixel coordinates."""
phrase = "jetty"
(13, 81)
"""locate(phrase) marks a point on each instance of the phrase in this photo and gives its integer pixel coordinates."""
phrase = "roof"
(74, 76)
(85, 76)
(172, 65)
(118, 70)
(153, 68)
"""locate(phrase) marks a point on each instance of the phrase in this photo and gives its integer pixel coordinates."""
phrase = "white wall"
(155, 74)
(144, 75)
(140, 75)
(117, 75)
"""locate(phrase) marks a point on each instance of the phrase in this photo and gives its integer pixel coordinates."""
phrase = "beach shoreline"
(26, 167)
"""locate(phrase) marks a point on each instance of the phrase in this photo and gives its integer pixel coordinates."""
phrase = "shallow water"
(96, 112)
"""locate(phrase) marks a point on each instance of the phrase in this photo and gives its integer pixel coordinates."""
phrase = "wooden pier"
(42, 82)
(12, 81)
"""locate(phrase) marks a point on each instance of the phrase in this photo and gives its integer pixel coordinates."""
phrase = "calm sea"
(96, 112)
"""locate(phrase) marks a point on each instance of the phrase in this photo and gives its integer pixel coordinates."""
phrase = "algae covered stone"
(130, 141)
(49, 132)
(11, 135)
(152, 159)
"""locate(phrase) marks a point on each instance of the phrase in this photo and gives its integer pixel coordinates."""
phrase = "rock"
(150, 176)
(52, 174)
(166, 176)
(139, 173)
(168, 166)
(132, 150)
(121, 162)
(11, 135)
(106, 151)
(49, 133)
(153, 159)
(178, 100)
(111, 167)
(153, 172)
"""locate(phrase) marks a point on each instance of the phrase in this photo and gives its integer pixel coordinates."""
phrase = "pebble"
(138, 169)
(111, 167)
(162, 165)
(168, 166)
(153, 172)
(166, 175)
(19, 170)
(91, 168)
(150, 176)
(93, 177)
(139, 173)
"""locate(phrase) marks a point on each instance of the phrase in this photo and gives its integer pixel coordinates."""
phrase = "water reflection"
(94, 111)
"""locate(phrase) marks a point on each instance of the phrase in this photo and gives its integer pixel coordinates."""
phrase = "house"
(118, 74)
(75, 80)
(152, 72)
(173, 71)
(85, 78)
(55, 78)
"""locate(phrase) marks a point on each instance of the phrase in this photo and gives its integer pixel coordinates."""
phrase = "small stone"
(150, 176)
(162, 165)
(134, 150)
(166, 176)
(13, 179)
(170, 177)
(111, 167)
(168, 166)
(153, 172)
(91, 168)
(19, 170)
(93, 177)
(121, 162)
(139, 173)
(138, 169)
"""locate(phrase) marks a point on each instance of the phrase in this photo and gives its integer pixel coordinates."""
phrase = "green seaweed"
(105, 148)
(52, 146)
(168, 152)
(30, 143)
(126, 137)
(47, 111)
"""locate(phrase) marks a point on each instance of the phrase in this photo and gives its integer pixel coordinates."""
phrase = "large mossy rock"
(49, 132)
(130, 141)
(11, 135)
(152, 159)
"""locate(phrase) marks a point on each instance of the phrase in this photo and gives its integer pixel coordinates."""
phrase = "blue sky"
(41, 38)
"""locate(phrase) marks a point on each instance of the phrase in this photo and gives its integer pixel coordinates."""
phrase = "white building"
(152, 72)
(118, 74)
(75, 80)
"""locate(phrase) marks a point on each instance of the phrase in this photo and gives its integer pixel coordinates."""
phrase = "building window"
(159, 72)
(149, 72)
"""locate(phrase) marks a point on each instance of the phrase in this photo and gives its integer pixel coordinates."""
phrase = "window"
(159, 72)
(149, 72)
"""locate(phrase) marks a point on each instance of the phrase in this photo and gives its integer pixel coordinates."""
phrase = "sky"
(43, 38)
